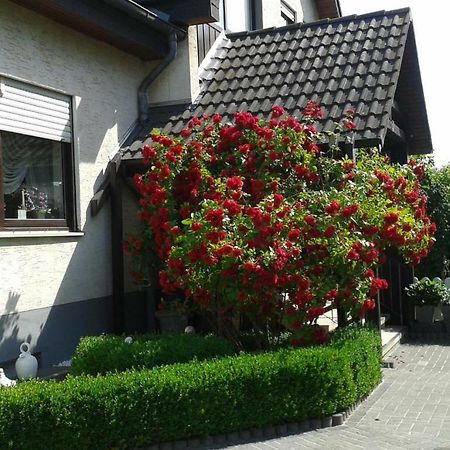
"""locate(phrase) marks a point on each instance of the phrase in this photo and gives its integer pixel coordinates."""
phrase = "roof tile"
(350, 61)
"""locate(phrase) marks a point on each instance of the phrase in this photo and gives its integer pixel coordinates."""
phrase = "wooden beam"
(118, 283)
(397, 131)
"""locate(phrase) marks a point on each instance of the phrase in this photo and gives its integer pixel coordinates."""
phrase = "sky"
(432, 31)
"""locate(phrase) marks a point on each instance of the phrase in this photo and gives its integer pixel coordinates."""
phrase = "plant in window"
(251, 219)
(36, 200)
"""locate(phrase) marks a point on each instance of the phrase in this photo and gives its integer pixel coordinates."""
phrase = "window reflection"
(32, 177)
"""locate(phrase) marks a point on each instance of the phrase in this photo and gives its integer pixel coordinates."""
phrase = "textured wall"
(179, 81)
(309, 10)
(271, 12)
(42, 272)
(53, 332)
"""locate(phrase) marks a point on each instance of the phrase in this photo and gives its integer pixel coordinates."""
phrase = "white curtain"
(22, 155)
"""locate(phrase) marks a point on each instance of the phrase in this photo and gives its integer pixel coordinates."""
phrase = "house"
(78, 80)
(367, 63)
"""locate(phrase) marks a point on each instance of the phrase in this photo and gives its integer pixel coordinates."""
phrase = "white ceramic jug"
(26, 364)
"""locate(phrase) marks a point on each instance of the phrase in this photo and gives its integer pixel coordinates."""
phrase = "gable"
(352, 62)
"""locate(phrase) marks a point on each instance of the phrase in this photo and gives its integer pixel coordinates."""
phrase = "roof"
(123, 24)
(349, 62)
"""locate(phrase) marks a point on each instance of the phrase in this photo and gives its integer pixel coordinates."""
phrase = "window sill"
(40, 234)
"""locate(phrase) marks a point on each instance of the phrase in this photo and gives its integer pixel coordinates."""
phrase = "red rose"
(277, 111)
(294, 234)
(232, 207)
(313, 110)
(332, 208)
(215, 217)
(234, 183)
(391, 218)
(348, 211)
(330, 230)
(353, 255)
(196, 226)
(309, 219)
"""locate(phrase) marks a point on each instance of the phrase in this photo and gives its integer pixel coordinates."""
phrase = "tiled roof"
(352, 61)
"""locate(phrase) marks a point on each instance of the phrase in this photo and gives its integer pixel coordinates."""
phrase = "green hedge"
(102, 354)
(139, 408)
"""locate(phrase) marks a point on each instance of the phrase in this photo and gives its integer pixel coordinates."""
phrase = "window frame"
(69, 223)
(288, 14)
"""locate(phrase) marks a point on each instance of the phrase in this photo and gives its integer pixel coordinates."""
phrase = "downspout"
(143, 103)
(173, 33)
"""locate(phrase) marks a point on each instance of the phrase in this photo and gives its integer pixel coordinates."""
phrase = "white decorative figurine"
(4, 380)
(26, 364)
(128, 340)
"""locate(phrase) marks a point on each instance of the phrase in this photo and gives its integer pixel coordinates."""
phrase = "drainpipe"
(148, 80)
(155, 21)
(173, 34)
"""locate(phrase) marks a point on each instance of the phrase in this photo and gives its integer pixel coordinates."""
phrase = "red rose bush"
(250, 219)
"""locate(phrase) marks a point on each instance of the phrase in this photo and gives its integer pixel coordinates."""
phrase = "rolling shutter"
(34, 111)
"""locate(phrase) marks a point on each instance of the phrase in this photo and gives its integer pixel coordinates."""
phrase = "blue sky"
(432, 30)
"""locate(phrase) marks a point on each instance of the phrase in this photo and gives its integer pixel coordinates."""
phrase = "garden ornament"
(4, 380)
(26, 364)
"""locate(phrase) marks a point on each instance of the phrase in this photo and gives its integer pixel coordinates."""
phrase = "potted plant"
(446, 306)
(426, 295)
(172, 315)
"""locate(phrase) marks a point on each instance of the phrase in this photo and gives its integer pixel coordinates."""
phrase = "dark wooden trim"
(12, 228)
(118, 304)
(206, 36)
(69, 185)
(33, 223)
(184, 12)
(105, 23)
(2, 198)
(397, 131)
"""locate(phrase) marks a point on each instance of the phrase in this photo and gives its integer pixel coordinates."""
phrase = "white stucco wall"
(309, 10)
(42, 272)
(178, 83)
(271, 12)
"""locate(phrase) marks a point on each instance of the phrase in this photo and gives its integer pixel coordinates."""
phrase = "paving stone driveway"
(410, 409)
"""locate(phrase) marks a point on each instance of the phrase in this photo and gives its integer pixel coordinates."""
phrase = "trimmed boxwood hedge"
(102, 354)
(139, 408)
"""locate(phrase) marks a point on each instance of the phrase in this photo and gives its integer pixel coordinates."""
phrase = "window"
(236, 15)
(36, 158)
(288, 15)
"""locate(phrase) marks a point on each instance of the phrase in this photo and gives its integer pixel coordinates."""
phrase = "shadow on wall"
(11, 337)
(80, 267)
(82, 304)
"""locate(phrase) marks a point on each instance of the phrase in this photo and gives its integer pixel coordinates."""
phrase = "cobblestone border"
(257, 434)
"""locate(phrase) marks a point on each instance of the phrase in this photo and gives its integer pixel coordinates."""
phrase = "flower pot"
(41, 213)
(424, 314)
(26, 364)
(171, 321)
(446, 313)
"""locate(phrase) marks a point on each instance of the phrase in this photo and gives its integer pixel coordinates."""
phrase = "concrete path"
(410, 409)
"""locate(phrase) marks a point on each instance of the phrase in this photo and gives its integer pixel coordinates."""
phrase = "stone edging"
(257, 434)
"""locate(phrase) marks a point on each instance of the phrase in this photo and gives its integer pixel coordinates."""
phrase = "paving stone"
(410, 409)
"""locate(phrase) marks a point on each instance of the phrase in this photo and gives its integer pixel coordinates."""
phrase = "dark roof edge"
(300, 25)
(148, 16)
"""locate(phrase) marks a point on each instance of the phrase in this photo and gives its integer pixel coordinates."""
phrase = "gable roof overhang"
(328, 9)
(185, 12)
(368, 63)
(123, 24)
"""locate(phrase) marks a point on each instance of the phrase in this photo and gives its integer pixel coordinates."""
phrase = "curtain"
(22, 158)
